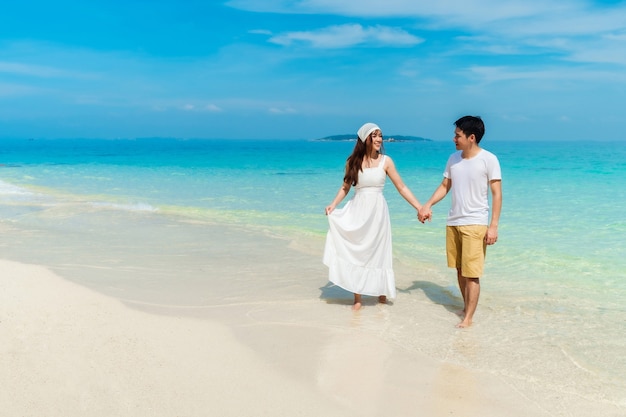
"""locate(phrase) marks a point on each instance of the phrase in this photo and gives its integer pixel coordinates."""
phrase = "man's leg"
(471, 295)
(472, 263)
(461, 281)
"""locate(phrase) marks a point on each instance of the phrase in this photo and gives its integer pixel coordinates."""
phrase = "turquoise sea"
(552, 312)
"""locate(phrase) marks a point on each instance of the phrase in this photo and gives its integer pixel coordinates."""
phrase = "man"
(469, 174)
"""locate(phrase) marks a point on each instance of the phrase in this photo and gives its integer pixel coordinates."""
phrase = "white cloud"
(260, 32)
(554, 31)
(517, 118)
(213, 108)
(474, 13)
(410, 68)
(621, 37)
(487, 74)
(344, 36)
(7, 90)
(40, 71)
(287, 110)
(510, 19)
(494, 74)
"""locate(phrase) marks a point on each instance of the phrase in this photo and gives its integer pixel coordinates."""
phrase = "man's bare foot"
(465, 323)
(382, 299)
(460, 313)
(356, 306)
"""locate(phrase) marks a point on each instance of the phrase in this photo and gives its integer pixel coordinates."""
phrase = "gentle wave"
(138, 207)
(10, 189)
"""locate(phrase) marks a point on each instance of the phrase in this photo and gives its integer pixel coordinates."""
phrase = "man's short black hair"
(471, 125)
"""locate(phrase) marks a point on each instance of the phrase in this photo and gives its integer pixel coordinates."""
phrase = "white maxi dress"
(358, 249)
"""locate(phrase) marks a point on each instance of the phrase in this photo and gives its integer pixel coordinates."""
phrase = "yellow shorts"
(466, 249)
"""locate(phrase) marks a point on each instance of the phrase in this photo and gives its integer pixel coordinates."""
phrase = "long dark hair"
(355, 160)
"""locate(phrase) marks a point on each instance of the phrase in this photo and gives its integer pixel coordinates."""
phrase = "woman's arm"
(395, 178)
(341, 194)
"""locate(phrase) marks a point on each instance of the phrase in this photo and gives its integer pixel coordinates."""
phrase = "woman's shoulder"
(386, 161)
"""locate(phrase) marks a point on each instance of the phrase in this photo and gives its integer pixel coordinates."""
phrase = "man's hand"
(492, 235)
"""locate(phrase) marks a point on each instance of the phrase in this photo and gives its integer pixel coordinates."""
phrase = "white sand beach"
(66, 350)
(140, 315)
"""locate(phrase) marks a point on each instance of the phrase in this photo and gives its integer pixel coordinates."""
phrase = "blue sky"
(280, 69)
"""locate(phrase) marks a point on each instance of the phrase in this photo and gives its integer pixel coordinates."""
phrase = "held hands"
(424, 213)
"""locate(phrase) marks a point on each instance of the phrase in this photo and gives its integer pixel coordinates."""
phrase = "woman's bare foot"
(356, 306)
(382, 299)
(357, 302)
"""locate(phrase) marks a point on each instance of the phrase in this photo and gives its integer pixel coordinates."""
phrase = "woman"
(358, 244)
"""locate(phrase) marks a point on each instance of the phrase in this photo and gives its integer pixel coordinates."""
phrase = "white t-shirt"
(470, 187)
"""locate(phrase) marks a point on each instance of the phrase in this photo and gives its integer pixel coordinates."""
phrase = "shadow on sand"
(333, 294)
(437, 294)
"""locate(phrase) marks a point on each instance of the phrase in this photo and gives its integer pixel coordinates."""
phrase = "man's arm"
(425, 213)
(496, 207)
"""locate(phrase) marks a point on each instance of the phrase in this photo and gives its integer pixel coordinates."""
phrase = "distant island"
(391, 138)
